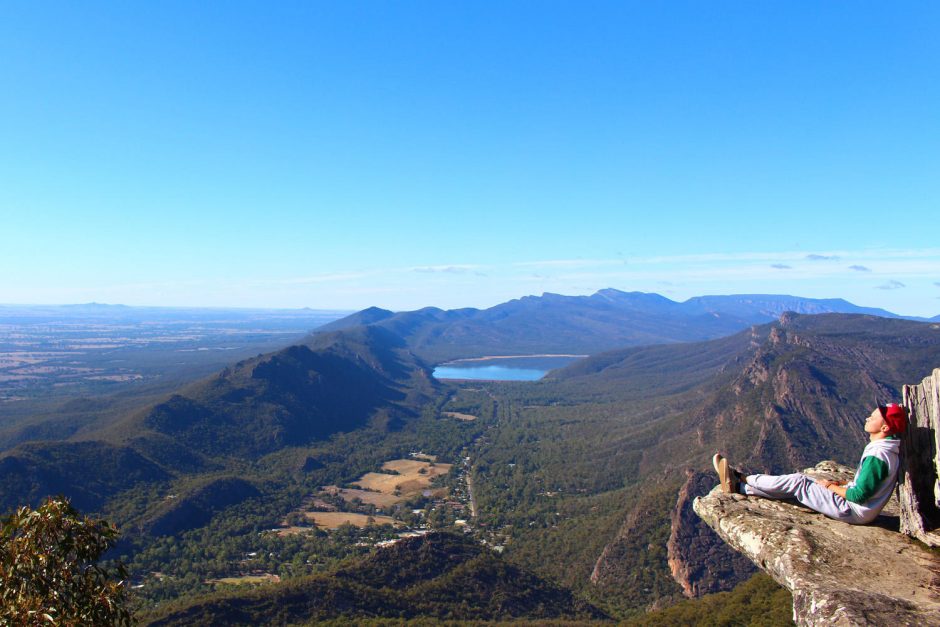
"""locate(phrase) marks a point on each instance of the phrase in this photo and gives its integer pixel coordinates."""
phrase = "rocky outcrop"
(700, 561)
(919, 491)
(839, 574)
(852, 575)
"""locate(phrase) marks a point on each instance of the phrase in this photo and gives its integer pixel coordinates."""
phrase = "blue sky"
(346, 154)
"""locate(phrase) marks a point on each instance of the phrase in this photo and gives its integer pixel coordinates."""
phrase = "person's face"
(875, 423)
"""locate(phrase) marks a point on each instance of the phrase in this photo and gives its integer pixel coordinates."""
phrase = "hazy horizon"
(350, 311)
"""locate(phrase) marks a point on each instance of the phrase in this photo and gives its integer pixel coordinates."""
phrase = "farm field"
(246, 579)
(458, 415)
(379, 499)
(414, 476)
(384, 491)
(332, 520)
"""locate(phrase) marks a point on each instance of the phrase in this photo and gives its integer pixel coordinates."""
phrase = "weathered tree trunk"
(918, 489)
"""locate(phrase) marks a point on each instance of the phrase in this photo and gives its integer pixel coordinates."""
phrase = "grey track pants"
(802, 488)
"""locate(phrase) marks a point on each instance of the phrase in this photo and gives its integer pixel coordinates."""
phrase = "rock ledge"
(839, 574)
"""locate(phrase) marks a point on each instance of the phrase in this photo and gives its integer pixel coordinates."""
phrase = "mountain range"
(605, 320)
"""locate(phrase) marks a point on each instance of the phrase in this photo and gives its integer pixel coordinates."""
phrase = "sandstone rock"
(700, 561)
(919, 491)
(839, 574)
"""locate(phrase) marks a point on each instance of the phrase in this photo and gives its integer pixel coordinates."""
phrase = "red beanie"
(895, 417)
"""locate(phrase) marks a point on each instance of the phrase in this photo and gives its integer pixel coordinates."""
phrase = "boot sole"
(725, 474)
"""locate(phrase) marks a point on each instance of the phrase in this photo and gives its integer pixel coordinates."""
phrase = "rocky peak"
(841, 574)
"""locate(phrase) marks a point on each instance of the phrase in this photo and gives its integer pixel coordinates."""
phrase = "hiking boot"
(727, 476)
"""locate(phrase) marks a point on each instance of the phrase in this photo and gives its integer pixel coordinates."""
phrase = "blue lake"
(522, 368)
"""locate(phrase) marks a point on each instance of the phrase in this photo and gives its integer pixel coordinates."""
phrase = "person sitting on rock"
(857, 502)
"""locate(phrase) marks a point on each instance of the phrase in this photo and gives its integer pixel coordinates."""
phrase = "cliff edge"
(841, 574)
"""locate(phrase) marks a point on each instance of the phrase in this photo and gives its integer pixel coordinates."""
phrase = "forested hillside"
(439, 576)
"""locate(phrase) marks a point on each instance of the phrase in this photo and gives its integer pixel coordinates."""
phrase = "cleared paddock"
(459, 416)
(246, 579)
(414, 476)
(332, 520)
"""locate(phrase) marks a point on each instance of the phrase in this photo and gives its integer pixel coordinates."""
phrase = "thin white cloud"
(873, 253)
(685, 269)
(323, 278)
(891, 285)
(567, 263)
(377, 290)
(371, 273)
(449, 269)
(928, 260)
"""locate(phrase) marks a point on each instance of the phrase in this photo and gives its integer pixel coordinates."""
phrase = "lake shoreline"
(491, 357)
(502, 367)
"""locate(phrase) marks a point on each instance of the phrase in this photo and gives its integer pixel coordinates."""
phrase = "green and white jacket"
(875, 478)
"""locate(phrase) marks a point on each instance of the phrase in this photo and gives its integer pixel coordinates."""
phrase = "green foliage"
(758, 602)
(49, 571)
(441, 575)
(637, 570)
(38, 469)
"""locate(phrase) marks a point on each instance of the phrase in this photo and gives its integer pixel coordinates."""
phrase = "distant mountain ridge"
(772, 305)
(605, 320)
